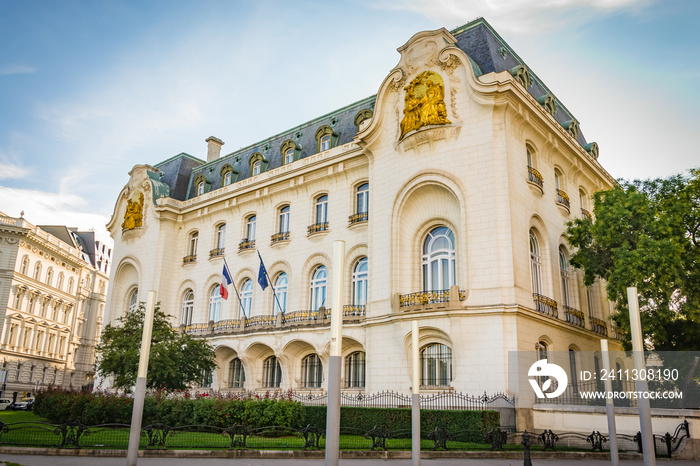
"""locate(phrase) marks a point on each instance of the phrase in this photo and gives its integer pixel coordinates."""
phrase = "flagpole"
(240, 304)
(270, 282)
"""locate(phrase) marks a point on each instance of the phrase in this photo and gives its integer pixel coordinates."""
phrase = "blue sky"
(88, 89)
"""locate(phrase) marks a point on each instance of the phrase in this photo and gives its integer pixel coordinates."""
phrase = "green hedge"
(92, 409)
(59, 406)
(395, 419)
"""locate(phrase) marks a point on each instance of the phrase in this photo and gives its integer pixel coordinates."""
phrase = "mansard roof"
(486, 49)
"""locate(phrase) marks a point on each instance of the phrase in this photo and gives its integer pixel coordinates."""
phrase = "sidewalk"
(35, 460)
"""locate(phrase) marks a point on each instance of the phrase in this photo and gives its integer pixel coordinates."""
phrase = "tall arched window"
(250, 228)
(319, 280)
(49, 276)
(215, 303)
(200, 188)
(311, 371)
(192, 246)
(535, 264)
(281, 285)
(134, 300)
(221, 236)
(37, 271)
(247, 297)
(322, 209)
(59, 283)
(574, 370)
(359, 282)
(272, 373)
(355, 370)
(363, 198)
(436, 365)
(236, 374)
(25, 266)
(564, 272)
(187, 307)
(439, 260)
(284, 220)
(71, 282)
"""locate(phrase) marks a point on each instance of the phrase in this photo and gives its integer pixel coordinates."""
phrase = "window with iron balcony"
(361, 205)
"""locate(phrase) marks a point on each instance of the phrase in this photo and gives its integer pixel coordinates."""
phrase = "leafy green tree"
(176, 360)
(647, 234)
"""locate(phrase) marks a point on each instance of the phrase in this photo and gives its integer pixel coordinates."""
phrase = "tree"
(176, 360)
(647, 234)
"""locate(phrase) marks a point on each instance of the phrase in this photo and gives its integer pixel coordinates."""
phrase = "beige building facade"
(451, 189)
(53, 288)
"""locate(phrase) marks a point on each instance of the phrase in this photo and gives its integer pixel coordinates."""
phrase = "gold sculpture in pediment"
(424, 103)
(133, 217)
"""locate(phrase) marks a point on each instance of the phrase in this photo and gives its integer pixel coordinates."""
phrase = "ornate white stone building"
(451, 188)
(53, 287)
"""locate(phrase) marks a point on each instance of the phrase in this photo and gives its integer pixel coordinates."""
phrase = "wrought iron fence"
(74, 435)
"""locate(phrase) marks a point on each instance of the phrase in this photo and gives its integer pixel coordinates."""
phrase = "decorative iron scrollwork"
(439, 436)
(157, 435)
(238, 433)
(378, 436)
(71, 432)
(549, 440)
(312, 437)
(497, 438)
(596, 440)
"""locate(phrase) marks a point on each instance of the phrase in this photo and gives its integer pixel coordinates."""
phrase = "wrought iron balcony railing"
(316, 227)
(216, 252)
(281, 236)
(189, 259)
(229, 324)
(358, 218)
(586, 214)
(352, 310)
(545, 305)
(563, 199)
(246, 244)
(535, 177)
(574, 316)
(300, 316)
(256, 321)
(427, 297)
(598, 325)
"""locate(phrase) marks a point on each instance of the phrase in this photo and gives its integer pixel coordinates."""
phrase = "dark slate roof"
(175, 172)
(84, 241)
(342, 122)
(492, 54)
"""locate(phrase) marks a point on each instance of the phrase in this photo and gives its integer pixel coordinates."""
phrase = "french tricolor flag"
(223, 291)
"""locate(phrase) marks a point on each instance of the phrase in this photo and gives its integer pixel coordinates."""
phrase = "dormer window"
(326, 138)
(289, 156)
(200, 188)
(290, 151)
(258, 164)
(227, 178)
(325, 142)
(257, 167)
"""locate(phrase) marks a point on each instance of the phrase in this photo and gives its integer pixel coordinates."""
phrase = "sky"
(88, 89)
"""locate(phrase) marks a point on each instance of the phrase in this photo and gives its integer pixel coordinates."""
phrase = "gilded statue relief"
(424, 103)
(133, 217)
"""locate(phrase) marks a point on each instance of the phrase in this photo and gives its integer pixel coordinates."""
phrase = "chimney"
(213, 148)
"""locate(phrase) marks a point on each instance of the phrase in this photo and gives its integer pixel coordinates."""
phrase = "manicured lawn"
(20, 416)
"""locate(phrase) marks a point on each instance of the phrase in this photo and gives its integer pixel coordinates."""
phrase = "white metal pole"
(335, 360)
(609, 407)
(642, 386)
(415, 386)
(140, 392)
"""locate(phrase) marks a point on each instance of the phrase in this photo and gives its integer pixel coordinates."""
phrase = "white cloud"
(10, 170)
(16, 69)
(516, 16)
(45, 208)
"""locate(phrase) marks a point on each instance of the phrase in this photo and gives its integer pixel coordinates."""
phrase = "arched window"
(49, 276)
(355, 370)
(272, 373)
(215, 303)
(436, 365)
(59, 283)
(25, 266)
(322, 209)
(564, 272)
(281, 286)
(324, 142)
(363, 198)
(574, 370)
(250, 228)
(221, 236)
(311, 371)
(257, 167)
(37, 271)
(228, 176)
(236, 374)
(284, 220)
(247, 297)
(359, 282)
(542, 350)
(529, 159)
(200, 188)
(133, 300)
(439, 260)
(71, 282)
(187, 307)
(535, 264)
(319, 281)
(289, 156)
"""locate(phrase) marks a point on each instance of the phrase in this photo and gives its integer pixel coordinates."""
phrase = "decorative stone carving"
(424, 103)
(592, 149)
(522, 75)
(549, 103)
(571, 127)
(133, 218)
